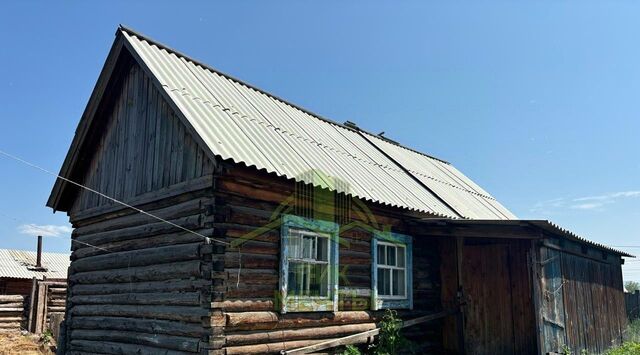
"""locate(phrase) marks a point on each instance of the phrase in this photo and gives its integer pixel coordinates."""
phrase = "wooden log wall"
(248, 205)
(11, 312)
(139, 285)
(47, 298)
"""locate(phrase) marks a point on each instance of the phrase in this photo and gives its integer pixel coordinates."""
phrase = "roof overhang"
(524, 229)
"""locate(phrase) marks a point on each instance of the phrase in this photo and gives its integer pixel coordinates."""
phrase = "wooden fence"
(632, 301)
(47, 303)
(11, 312)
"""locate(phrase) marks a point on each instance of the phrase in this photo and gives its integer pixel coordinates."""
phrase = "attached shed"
(274, 229)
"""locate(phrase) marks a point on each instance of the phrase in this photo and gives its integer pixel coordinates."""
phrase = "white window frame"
(294, 303)
(312, 261)
(390, 301)
(389, 267)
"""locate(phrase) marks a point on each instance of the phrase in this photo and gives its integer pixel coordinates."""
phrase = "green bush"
(389, 341)
(631, 345)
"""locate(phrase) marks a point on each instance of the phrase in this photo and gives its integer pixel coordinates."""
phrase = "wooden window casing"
(394, 242)
(322, 237)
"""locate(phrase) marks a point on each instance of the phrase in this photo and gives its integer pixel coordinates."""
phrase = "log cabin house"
(288, 232)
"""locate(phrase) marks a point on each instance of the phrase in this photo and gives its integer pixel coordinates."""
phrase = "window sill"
(391, 303)
(308, 304)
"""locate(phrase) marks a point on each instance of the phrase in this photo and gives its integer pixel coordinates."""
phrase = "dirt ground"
(15, 343)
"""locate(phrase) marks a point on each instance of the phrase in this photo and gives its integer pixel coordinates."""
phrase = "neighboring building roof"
(237, 122)
(21, 264)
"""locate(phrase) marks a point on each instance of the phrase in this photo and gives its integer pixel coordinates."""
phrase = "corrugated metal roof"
(21, 264)
(245, 125)
(462, 194)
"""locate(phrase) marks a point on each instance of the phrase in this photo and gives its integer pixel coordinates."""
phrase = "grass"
(631, 345)
(16, 343)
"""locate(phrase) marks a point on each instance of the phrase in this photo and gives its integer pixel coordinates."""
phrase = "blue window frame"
(391, 271)
(308, 265)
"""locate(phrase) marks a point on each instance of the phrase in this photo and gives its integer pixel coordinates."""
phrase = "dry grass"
(16, 343)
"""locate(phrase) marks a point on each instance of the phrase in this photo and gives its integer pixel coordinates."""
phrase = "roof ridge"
(161, 45)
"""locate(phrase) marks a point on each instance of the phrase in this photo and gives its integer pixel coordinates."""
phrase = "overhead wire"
(207, 240)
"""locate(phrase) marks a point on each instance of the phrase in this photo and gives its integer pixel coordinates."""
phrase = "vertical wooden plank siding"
(144, 147)
(553, 316)
(594, 303)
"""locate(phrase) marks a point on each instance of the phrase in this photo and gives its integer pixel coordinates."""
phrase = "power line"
(110, 198)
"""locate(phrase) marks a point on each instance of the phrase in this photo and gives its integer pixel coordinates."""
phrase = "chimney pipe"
(39, 254)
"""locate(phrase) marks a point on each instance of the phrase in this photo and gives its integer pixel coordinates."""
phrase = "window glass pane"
(295, 279)
(381, 255)
(391, 255)
(318, 280)
(323, 249)
(308, 247)
(384, 282)
(400, 256)
(294, 248)
(398, 283)
(307, 279)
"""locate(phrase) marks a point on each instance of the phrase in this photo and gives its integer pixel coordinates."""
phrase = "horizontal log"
(11, 319)
(147, 230)
(156, 340)
(11, 305)
(58, 290)
(243, 290)
(187, 314)
(105, 347)
(57, 302)
(169, 298)
(11, 309)
(170, 285)
(54, 283)
(250, 261)
(183, 269)
(245, 305)
(274, 320)
(133, 244)
(276, 348)
(151, 201)
(138, 325)
(11, 298)
(51, 309)
(182, 209)
(260, 337)
(142, 257)
(14, 325)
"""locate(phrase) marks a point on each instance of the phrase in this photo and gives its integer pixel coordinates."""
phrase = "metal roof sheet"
(245, 125)
(458, 191)
(21, 264)
(238, 122)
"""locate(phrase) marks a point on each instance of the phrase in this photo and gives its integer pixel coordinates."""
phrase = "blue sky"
(537, 102)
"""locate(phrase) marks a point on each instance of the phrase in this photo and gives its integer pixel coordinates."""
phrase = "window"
(309, 262)
(391, 271)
